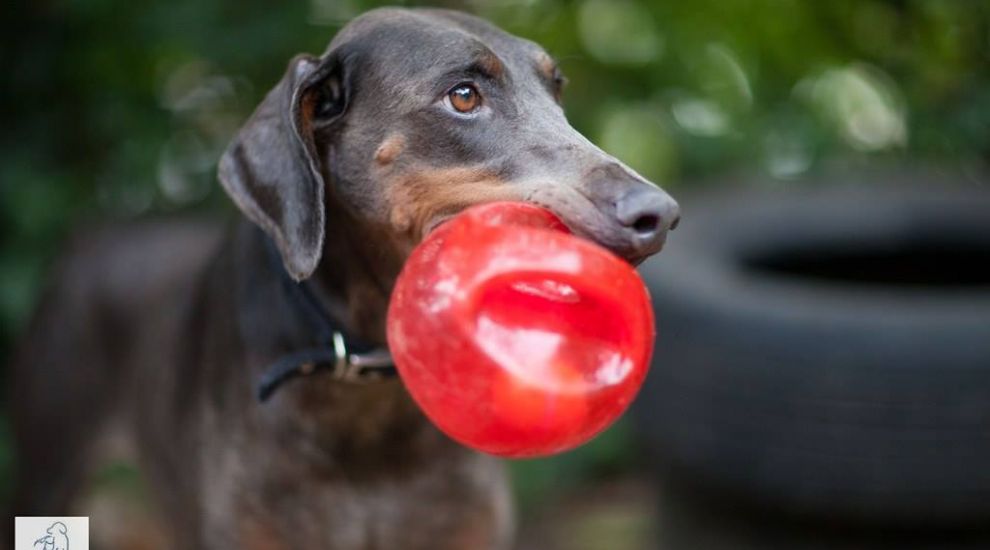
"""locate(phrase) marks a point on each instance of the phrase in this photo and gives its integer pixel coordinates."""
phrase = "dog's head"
(409, 117)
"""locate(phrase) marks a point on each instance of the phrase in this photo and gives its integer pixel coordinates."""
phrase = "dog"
(165, 330)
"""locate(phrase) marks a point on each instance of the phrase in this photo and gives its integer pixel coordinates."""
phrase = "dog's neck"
(330, 420)
(356, 275)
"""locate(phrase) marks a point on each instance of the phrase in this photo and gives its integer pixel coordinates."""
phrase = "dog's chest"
(460, 504)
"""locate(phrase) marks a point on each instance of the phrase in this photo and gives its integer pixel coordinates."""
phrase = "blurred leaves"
(861, 103)
(619, 32)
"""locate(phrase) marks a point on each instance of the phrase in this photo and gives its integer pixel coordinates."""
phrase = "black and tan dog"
(164, 330)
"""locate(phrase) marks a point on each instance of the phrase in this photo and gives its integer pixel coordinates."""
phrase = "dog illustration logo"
(56, 538)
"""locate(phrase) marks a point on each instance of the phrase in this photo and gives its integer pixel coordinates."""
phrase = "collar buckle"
(358, 367)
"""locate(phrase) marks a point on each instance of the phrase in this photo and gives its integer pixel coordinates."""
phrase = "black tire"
(825, 353)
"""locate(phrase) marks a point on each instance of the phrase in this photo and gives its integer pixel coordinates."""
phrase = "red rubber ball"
(515, 337)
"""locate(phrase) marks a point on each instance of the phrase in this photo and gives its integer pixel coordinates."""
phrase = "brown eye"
(464, 98)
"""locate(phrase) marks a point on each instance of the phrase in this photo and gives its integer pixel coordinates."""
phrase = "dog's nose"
(646, 214)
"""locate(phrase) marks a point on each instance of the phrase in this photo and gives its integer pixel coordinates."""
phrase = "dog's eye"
(464, 98)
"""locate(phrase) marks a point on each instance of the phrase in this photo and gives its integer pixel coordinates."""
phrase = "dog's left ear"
(272, 169)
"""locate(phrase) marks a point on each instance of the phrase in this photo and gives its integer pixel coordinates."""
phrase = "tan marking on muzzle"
(390, 149)
(424, 195)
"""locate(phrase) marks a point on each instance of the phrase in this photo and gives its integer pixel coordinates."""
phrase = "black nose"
(646, 214)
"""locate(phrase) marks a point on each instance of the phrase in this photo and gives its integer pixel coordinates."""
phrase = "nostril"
(646, 224)
(644, 214)
(675, 223)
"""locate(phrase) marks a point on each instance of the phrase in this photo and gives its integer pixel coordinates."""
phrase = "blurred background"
(116, 109)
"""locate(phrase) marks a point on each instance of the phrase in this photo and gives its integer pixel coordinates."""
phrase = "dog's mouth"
(630, 257)
(436, 222)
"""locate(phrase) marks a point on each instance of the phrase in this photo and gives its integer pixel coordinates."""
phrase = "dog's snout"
(646, 213)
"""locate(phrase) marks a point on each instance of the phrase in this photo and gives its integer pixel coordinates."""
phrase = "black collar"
(345, 358)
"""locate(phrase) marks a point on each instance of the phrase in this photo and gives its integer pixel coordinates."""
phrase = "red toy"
(515, 337)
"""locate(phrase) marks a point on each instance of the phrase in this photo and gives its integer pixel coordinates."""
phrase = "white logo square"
(51, 533)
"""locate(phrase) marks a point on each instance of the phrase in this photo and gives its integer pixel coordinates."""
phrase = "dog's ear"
(272, 169)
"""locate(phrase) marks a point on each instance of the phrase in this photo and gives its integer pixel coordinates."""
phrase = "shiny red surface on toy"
(515, 337)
